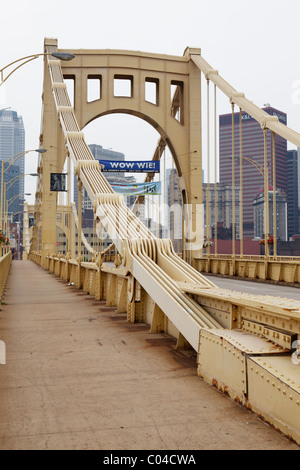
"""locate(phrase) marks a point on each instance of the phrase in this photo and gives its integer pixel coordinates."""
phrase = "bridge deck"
(78, 376)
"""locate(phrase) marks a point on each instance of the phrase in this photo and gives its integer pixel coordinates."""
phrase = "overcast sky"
(254, 45)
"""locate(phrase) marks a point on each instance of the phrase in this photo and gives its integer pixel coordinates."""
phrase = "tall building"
(224, 216)
(174, 205)
(293, 201)
(12, 142)
(100, 153)
(259, 214)
(252, 150)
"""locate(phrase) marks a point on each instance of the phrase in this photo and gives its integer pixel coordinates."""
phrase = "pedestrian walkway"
(78, 376)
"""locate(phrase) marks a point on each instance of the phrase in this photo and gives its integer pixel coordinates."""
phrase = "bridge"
(246, 345)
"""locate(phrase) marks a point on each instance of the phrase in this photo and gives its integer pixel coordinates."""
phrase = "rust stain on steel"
(215, 384)
(249, 406)
(238, 400)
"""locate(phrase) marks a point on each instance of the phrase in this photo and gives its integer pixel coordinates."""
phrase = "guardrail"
(280, 269)
(5, 262)
(250, 350)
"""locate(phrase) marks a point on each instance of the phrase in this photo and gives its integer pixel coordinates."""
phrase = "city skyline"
(253, 159)
(117, 328)
(239, 57)
(282, 175)
(12, 143)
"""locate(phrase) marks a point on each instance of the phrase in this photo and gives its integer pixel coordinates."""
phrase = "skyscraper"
(12, 142)
(253, 161)
(259, 213)
(292, 191)
(174, 204)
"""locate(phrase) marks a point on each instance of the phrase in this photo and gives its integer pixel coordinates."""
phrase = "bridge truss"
(247, 346)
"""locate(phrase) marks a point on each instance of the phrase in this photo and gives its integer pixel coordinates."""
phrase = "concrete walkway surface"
(79, 376)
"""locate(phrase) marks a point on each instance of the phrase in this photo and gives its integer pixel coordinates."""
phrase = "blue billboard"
(152, 166)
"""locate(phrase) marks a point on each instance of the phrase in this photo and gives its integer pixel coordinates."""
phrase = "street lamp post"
(8, 203)
(65, 56)
(11, 161)
(263, 170)
(12, 181)
(13, 198)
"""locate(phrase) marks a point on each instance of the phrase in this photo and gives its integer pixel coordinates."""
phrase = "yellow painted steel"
(5, 262)
(230, 331)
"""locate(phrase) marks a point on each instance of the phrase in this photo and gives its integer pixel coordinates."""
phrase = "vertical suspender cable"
(79, 219)
(165, 199)
(173, 212)
(216, 189)
(241, 190)
(266, 194)
(208, 221)
(69, 202)
(274, 198)
(100, 241)
(233, 187)
(159, 207)
(148, 211)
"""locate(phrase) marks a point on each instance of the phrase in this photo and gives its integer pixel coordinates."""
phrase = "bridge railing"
(5, 262)
(280, 269)
(228, 330)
